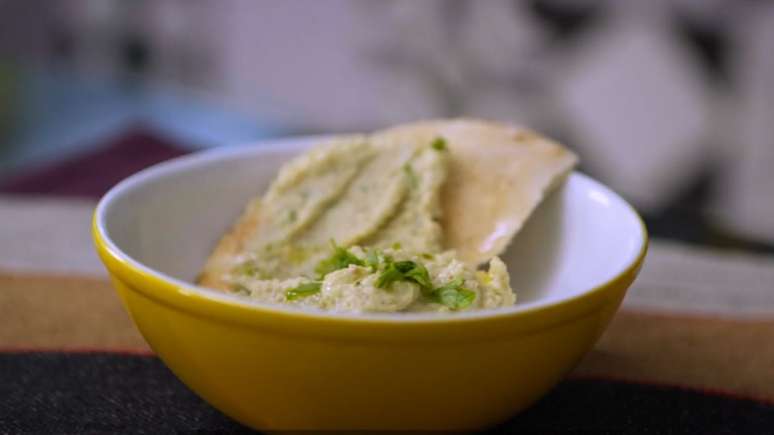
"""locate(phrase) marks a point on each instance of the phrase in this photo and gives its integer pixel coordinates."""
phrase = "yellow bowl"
(272, 367)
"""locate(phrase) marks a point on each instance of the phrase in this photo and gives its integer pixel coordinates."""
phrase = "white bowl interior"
(169, 217)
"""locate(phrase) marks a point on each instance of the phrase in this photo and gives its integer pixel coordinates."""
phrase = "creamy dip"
(354, 226)
(387, 280)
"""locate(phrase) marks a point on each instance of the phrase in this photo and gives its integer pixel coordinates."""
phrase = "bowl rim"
(179, 294)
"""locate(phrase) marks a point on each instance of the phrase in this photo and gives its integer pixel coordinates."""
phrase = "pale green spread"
(396, 281)
(353, 226)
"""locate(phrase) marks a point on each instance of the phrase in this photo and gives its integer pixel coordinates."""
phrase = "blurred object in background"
(668, 101)
(8, 80)
(86, 71)
(745, 200)
(639, 104)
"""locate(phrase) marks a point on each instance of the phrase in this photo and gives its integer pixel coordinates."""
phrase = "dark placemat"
(117, 393)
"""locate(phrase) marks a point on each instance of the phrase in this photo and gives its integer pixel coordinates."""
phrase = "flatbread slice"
(497, 175)
(226, 254)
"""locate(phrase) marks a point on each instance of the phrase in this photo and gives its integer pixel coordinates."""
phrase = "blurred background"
(671, 102)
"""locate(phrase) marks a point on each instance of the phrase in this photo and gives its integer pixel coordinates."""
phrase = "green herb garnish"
(411, 176)
(373, 259)
(439, 144)
(404, 271)
(418, 273)
(340, 259)
(453, 295)
(389, 275)
(457, 300)
(303, 290)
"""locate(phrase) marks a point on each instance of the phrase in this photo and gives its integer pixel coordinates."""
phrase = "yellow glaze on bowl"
(278, 369)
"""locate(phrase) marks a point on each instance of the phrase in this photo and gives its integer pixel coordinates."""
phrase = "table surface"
(689, 350)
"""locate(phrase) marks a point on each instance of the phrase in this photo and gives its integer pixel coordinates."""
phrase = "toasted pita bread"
(498, 175)
(225, 256)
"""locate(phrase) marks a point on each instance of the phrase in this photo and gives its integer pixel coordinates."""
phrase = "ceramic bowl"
(272, 367)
